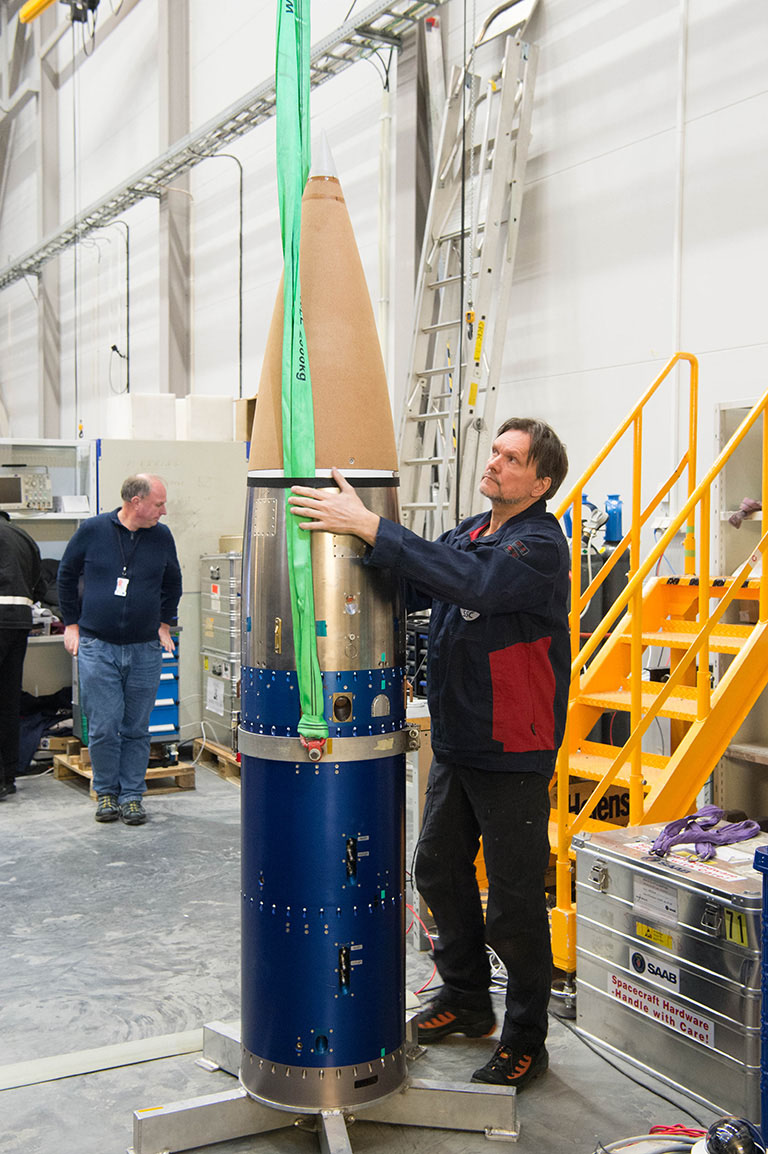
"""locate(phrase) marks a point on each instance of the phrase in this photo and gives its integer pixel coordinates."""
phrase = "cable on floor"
(649, 1144)
(626, 1073)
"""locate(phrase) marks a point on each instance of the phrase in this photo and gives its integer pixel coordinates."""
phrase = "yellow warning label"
(479, 339)
(736, 927)
(658, 937)
(473, 393)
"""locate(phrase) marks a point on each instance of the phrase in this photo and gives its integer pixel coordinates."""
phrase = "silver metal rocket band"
(270, 748)
(313, 1089)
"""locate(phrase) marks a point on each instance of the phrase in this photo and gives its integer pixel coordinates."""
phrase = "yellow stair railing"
(720, 710)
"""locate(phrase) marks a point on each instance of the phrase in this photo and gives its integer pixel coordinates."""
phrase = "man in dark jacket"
(498, 668)
(20, 587)
(118, 627)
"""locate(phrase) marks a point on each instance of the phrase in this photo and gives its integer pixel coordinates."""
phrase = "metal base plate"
(199, 1122)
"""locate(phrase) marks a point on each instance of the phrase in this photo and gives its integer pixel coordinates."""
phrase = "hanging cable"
(88, 31)
(127, 357)
(75, 287)
(459, 391)
(469, 314)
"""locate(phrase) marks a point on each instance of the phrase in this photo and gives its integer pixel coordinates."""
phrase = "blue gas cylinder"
(586, 506)
(613, 531)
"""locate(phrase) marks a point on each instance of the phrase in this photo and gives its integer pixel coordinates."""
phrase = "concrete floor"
(113, 936)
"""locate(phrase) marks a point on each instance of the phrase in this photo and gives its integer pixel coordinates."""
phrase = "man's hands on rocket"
(334, 510)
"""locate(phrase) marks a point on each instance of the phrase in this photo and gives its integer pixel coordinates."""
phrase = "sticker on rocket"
(656, 899)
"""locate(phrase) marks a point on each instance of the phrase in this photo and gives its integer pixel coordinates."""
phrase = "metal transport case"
(220, 576)
(668, 962)
(221, 699)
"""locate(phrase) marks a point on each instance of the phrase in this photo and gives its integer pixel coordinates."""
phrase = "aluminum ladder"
(464, 287)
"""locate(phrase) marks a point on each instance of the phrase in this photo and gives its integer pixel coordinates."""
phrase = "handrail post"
(689, 544)
(636, 651)
(763, 602)
(702, 677)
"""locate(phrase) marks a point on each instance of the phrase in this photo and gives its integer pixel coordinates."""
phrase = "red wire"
(416, 917)
(678, 1128)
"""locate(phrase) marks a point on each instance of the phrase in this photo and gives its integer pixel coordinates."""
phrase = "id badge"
(121, 589)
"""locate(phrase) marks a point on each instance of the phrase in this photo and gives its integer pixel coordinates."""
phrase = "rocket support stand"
(198, 1122)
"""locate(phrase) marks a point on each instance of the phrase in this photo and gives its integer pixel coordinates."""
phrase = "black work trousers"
(511, 813)
(13, 647)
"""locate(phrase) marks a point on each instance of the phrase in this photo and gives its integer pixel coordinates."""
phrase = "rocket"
(323, 970)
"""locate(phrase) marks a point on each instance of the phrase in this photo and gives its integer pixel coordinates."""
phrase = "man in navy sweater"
(119, 589)
(498, 669)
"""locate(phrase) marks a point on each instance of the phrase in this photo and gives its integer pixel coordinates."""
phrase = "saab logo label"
(667, 975)
(469, 614)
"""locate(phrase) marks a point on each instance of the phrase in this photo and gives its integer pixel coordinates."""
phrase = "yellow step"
(593, 760)
(681, 705)
(678, 634)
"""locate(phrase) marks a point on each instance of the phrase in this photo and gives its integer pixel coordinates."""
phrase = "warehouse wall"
(644, 225)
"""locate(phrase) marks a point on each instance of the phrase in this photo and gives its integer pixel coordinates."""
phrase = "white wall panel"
(18, 211)
(18, 358)
(725, 282)
(607, 78)
(594, 275)
(108, 111)
(727, 45)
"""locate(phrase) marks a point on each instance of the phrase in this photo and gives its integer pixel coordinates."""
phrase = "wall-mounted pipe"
(229, 156)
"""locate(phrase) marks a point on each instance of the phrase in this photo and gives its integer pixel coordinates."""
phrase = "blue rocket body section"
(322, 905)
(269, 701)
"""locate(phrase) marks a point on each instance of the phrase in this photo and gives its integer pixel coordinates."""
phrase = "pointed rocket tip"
(322, 158)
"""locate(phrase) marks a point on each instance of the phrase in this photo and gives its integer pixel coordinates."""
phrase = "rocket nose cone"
(323, 163)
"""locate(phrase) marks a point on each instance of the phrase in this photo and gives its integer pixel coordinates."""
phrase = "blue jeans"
(511, 812)
(118, 687)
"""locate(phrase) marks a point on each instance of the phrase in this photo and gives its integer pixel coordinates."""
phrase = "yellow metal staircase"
(688, 615)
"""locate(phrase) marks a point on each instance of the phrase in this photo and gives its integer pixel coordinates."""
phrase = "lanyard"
(135, 545)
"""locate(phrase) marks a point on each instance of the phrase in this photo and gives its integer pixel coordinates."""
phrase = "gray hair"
(139, 485)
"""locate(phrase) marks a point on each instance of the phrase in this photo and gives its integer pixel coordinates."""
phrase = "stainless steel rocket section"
(323, 841)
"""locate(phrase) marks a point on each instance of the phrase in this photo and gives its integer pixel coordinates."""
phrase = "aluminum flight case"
(221, 699)
(220, 577)
(668, 962)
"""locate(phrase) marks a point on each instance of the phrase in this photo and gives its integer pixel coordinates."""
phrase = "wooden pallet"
(218, 758)
(75, 764)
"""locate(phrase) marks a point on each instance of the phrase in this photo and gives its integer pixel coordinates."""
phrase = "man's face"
(510, 477)
(148, 510)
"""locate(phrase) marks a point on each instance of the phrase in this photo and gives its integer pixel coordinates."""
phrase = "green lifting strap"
(293, 159)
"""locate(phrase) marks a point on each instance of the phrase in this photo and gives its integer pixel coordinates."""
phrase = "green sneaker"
(133, 812)
(107, 808)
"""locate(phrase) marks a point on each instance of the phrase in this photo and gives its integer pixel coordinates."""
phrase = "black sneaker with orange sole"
(439, 1019)
(513, 1066)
